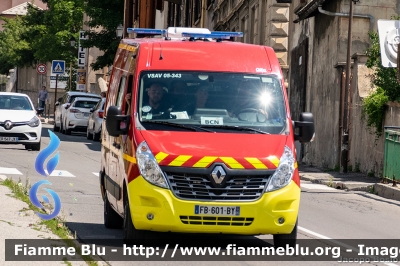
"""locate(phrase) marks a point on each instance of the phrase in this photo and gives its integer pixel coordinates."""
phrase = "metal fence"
(392, 155)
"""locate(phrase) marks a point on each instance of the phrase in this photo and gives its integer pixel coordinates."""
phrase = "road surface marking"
(316, 186)
(9, 171)
(62, 173)
(96, 174)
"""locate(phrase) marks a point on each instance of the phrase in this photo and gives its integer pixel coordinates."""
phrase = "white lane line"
(96, 174)
(337, 242)
(316, 186)
(62, 173)
(9, 171)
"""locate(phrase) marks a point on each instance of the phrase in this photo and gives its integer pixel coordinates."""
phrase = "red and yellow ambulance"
(198, 138)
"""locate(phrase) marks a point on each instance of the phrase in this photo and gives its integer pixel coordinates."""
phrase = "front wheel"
(282, 240)
(130, 232)
(111, 217)
(36, 147)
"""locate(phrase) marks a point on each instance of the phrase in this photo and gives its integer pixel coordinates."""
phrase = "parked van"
(198, 138)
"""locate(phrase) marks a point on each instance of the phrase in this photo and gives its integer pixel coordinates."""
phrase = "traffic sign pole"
(55, 95)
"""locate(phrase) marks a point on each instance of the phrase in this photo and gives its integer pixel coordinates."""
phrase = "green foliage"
(14, 49)
(103, 23)
(374, 110)
(388, 88)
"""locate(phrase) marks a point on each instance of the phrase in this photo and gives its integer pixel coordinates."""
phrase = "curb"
(387, 191)
(348, 185)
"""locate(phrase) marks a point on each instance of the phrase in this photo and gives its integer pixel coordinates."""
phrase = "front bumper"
(176, 215)
(25, 134)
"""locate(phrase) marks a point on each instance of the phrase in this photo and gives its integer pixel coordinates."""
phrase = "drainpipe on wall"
(370, 17)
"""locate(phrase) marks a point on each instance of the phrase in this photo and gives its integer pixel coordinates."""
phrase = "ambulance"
(198, 138)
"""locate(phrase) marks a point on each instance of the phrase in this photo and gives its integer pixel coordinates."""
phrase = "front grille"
(199, 187)
(20, 136)
(213, 220)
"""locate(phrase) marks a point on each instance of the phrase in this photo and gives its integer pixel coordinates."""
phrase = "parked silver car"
(63, 104)
(95, 121)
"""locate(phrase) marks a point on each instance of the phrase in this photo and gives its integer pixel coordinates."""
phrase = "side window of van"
(121, 91)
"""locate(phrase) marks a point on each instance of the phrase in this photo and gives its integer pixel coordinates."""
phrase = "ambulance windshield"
(211, 101)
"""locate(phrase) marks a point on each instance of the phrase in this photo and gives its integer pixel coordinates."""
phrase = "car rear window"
(85, 104)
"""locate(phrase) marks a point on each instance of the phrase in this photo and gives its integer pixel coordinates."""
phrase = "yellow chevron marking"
(129, 158)
(232, 162)
(256, 163)
(274, 160)
(161, 156)
(181, 159)
(206, 160)
(295, 165)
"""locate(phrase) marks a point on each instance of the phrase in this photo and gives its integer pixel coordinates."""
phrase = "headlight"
(34, 122)
(284, 173)
(148, 166)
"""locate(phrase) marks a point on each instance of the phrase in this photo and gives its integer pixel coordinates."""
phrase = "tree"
(105, 16)
(50, 30)
(14, 49)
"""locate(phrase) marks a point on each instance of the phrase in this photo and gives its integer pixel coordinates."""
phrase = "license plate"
(10, 139)
(216, 210)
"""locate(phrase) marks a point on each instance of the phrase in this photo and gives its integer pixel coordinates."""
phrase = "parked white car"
(19, 123)
(65, 101)
(77, 114)
(95, 120)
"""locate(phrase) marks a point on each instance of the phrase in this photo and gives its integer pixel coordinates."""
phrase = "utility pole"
(345, 133)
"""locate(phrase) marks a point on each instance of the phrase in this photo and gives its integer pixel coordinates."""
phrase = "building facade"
(318, 50)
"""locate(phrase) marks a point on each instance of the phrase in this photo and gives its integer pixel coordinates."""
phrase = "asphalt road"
(325, 213)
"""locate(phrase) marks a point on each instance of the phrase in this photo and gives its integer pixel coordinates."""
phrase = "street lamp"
(72, 42)
(120, 31)
(345, 134)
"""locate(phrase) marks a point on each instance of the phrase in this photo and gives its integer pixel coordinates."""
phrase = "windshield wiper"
(193, 128)
(235, 128)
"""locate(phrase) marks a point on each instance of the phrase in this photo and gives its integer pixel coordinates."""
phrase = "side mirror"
(116, 123)
(91, 110)
(66, 106)
(306, 128)
(39, 111)
(57, 104)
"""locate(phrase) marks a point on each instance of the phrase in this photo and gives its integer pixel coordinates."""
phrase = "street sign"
(58, 67)
(41, 69)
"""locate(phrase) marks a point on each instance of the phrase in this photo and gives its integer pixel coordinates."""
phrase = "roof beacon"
(230, 33)
(218, 36)
(145, 32)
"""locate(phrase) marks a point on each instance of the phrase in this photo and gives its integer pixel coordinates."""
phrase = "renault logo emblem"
(8, 125)
(218, 174)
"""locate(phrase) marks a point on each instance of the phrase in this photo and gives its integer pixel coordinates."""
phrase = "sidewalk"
(351, 181)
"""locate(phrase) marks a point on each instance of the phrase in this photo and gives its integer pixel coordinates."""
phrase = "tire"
(130, 234)
(35, 147)
(62, 127)
(28, 147)
(111, 217)
(55, 127)
(88, 135)
(281, 240)
(68, 131)
(96, 136)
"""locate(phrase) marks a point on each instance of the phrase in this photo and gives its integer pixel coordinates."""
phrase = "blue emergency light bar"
(206, 35)
(146, 31)
(230, 33)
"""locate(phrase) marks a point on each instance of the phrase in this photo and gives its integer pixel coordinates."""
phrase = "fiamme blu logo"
(50, 166)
